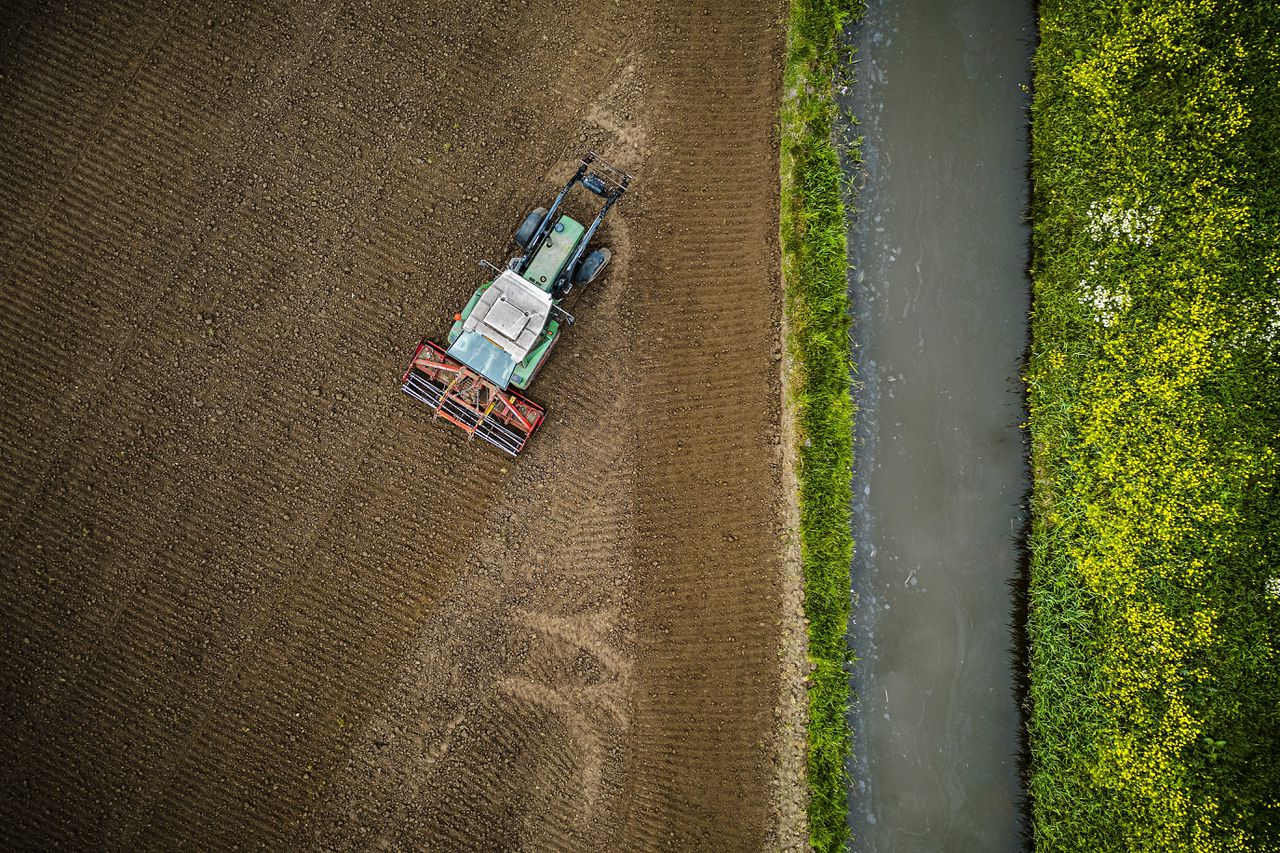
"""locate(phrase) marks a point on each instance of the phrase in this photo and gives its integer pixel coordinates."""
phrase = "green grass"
(1154, 396)
(814, 265)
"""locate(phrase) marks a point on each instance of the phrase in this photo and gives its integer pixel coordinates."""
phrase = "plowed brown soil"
(251, 595)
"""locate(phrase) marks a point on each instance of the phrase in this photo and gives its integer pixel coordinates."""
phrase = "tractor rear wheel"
(530, 225)
(591, 266)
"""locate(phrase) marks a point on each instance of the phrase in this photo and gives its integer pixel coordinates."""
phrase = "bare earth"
(251, 595)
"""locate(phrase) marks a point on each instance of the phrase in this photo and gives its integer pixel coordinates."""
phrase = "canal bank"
(939, 294)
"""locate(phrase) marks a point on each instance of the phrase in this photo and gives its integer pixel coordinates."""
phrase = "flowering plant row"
(1154, 397)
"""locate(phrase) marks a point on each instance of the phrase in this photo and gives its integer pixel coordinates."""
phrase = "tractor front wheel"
(591, 266)
(530, 225)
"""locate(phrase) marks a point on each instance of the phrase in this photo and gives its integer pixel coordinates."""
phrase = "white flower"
(1109, 220)
(1271, 321)
(1106, 304)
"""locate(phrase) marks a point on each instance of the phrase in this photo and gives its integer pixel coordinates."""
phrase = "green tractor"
(500, 341)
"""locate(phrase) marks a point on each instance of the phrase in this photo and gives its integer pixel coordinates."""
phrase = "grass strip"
(814, 260)
(1154, 594)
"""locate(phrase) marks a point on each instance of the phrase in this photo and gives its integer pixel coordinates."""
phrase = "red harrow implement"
(464, 398)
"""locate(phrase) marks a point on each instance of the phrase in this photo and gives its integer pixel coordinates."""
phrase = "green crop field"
(1154, 396)
(814, 264)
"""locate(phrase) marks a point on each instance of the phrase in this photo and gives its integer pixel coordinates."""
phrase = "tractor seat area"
(511, 313)
(507, 319)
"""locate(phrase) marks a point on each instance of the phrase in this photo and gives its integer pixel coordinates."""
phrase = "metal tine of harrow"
(493, 432)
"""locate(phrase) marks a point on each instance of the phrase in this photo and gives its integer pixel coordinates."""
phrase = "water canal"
(938, 250)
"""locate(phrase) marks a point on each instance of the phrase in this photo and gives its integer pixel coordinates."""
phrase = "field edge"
(816, 394)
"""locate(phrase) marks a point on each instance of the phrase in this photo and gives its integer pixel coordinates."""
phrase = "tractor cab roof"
(503, 327)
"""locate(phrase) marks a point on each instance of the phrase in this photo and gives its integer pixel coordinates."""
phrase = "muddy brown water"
(938, 251)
